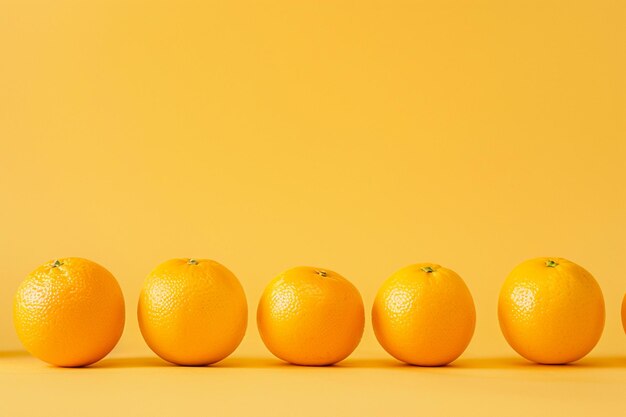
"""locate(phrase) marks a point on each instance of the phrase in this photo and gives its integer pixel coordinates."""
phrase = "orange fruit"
(192, 311)
(424, 315)
(311, 316)
(551, 310)
(69, 312)
(624, 313)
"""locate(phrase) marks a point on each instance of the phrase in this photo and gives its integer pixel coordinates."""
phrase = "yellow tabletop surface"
(360, 386)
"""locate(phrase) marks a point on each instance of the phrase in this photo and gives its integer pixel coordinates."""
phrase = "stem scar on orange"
(551, 310)
(69, 312)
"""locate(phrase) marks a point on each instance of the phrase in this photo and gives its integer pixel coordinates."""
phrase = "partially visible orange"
(192, 311)
(69, 312)
(424, 315)
(311, 316)
(624, 313)
(551, 310)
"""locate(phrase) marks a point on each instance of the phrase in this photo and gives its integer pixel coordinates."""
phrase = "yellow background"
(356, 136)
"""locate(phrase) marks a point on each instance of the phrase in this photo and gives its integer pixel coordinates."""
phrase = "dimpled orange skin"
(69, 312)
(551, 310)
(311, 316)
(424, 315)
(192, 311)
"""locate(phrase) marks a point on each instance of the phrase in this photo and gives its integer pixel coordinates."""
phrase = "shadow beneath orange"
(250, 363)
(152, 362)
(276, 363)
(243, 362)
(491, 363)
(517, 362)
(13, 354)
(601, 362)
(371, 363)
(156, 362)
(357, 363)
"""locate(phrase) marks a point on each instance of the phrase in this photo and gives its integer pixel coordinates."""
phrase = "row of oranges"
(70, 312)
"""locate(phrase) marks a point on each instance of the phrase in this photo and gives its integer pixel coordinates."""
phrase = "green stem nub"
(56, 263)
(427, 269)
(192, 262)
(322, 273)
(551, 264)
